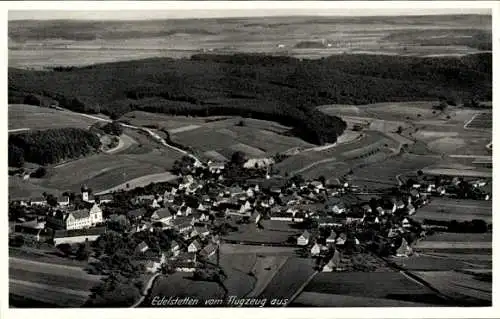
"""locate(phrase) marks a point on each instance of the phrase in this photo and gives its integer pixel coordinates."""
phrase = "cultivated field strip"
(458, 285)
(41, 118)
(446, 210)
(480, 121)
(289, 279)
(365, 284)
(61, 297)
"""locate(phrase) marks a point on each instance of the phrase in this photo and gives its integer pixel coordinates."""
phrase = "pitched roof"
(80, 214)
(196, 244)
(305, 234)
(332, 236)
(163, 213)
(174, 244)
(142, 246)
(209, 249)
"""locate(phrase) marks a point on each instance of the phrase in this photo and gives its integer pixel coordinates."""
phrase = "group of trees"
(282, 89)
(113, 128)
(51, 146)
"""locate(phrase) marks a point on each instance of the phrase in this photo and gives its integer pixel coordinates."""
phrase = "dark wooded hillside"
(282, 89)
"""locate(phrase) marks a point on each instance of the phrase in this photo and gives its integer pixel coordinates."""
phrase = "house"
(186, 181)
(104, 199)
(339, 208)
(201, 207)
(215, 167)
(393, 233)
(258, 163)
(340, 241)
(184, 211)
(234, 212)
(299, 217)
(331, 238)
(184, 266)
(142, 247)
(154, 265)
(281, 216)
(337, 221)
(334, 263)
(64, 201)
(250, 192)
(245, 207)
(163, 215)
(303, 239)
(404, 250)
(317, 184)
(77, 235)
(194, 247)
(175, 248)
(400, 204)
(366, 208)
(201, 216)
(183, 224)
(169, 196)
(275, 190)
(354, 217)
(441, 190)
(208, 251)
(406, 223)
(143, 226)
(414, 193)
(380, 211)
(38, 201)
(410, 209)
(77, 219)
(316, 250)
(234, 191)
(200, 231)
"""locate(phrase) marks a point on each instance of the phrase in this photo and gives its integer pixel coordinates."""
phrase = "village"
(182, 228)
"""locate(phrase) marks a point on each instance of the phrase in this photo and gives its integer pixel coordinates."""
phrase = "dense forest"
(283, 89)
(50, 146)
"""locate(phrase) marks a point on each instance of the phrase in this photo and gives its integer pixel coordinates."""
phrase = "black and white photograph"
(250, 157)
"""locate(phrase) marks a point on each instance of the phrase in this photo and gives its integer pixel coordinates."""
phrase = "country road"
(124, 143)
(19, 130)
(150, 132)
(145, 291)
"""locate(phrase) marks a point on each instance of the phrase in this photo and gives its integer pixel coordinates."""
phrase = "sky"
(218, 9)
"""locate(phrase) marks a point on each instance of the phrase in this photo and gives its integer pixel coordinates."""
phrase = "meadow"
(38, 118)
(383, 285)
(452, 209)
(463, 287)
(64, 286)
(289, 278)
(256, 138)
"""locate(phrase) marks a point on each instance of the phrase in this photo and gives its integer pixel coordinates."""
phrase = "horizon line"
(240, 15)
